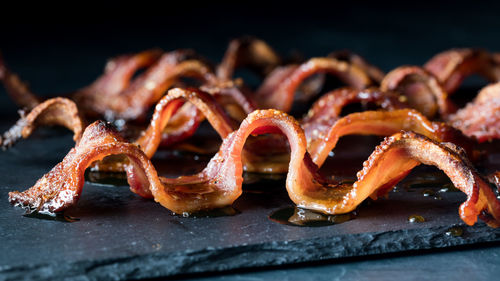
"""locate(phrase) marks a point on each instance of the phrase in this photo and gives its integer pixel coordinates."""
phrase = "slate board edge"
(251, 256)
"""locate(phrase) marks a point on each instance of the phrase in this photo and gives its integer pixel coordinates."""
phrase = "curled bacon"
(248, 52)
(453, 66)
(150, 139)
(55, 111)
(219, 184)
(480, 118)
(327, 109)
(376, 75)
(62, 186)
(422, 90)
(383, 123)
(278, 90)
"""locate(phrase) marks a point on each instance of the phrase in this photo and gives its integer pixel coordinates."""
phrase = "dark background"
(59, 49)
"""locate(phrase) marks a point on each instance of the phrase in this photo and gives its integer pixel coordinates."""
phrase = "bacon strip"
(200, 104)
(376, 75)
(453, 66)
(278, 90)
(61, 187)
(55, 111)
(204, 102)
(248, 52)
(326, 110)
(219, 184)
(383, 123)
(421, 88)
(480, 118)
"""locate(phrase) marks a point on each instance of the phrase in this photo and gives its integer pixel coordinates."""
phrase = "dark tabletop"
(59, 56)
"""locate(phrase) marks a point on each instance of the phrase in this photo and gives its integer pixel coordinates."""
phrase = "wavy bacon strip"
(453, 66)
(61, 187)
(383, 123)
(248, 52)
(422, 90)
(278, 90)
(204, 102)
(220, 183)
(480, 118)
(327, 109)
(55, 111)
(376, 75)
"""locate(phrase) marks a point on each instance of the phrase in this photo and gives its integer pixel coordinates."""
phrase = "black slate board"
(122, 236)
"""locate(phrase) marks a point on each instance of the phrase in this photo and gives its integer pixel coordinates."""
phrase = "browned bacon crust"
(62, 186)
(278, 90)
(383, 123)
(422, 90)
(55, 111)
(480, 118)
(219, 184)
(453, 66)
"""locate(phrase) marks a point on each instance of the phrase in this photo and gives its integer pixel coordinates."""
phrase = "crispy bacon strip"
(55, 111)
(480, 118)
(61, 187)
(17, 89)
(204, 102)
(200, 104)
(382, 123)
(270, 154)
(278, 90)
(248, 52)
(219, 184)
(453, 66)
(376, 75)
(422, 90)
(327, 109)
